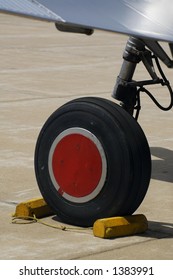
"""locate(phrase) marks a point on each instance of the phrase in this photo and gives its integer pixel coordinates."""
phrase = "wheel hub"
(77, 165)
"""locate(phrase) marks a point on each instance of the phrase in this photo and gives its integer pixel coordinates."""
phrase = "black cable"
(138, 105)
(164, 82)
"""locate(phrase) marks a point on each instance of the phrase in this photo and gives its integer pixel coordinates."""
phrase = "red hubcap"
(76, 166)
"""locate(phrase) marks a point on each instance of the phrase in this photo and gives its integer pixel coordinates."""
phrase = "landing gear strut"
(128, 91)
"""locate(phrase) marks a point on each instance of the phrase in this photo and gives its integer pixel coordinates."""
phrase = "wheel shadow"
(155, 229)
(162, 165)
(159, 230)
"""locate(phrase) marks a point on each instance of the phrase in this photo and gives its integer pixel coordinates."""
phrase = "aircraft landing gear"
(92, 161)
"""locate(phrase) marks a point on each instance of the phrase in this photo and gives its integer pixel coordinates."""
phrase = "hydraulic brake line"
(163, 82)
(126, 89)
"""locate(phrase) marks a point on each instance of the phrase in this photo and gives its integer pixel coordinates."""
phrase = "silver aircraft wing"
(150, 19)
(29, 8)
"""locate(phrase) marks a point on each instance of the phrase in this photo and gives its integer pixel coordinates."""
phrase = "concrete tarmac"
(41, 69)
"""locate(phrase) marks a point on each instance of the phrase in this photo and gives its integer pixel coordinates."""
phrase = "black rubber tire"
(127, 157)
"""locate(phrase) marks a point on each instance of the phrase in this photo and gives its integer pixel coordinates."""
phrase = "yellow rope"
(34, 219)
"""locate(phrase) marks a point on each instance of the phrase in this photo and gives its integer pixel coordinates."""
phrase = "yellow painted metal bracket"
(34, 207)
(120, 226)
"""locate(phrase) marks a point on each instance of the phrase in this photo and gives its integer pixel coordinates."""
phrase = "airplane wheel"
(92, 161)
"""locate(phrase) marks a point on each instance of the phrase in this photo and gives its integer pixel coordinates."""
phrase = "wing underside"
(28, 8)
(151, 19)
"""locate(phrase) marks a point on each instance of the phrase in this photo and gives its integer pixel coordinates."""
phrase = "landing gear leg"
(124, 90)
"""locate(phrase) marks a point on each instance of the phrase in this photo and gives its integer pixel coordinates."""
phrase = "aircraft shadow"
(162, 168)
